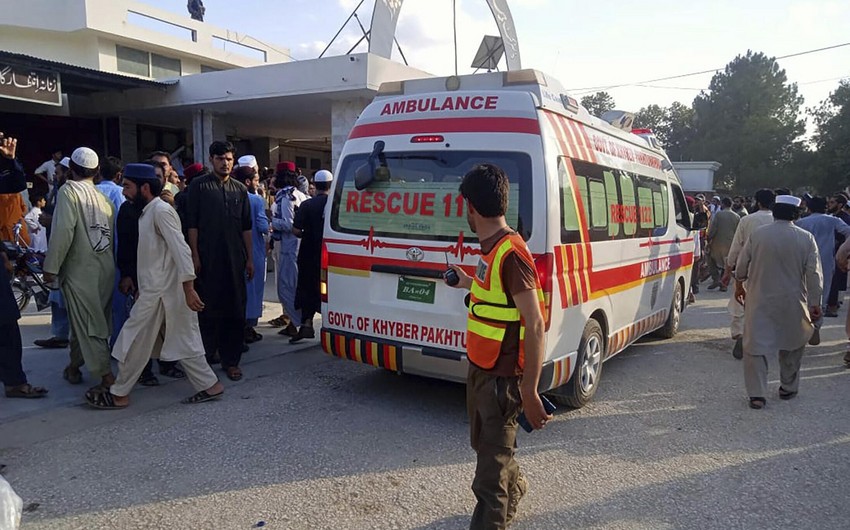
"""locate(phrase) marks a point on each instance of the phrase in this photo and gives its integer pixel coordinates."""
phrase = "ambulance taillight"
(545, 264)
(323, 287)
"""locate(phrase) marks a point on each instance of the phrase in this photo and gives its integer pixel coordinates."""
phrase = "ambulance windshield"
(417, 196)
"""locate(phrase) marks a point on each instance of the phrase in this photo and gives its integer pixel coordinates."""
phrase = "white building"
(126, 37)
(133, 79)
(126, 79)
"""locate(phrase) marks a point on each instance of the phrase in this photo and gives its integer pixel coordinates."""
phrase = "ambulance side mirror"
(374, 169)
(363, 177)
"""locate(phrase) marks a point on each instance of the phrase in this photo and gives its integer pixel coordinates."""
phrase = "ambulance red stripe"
(447, 125)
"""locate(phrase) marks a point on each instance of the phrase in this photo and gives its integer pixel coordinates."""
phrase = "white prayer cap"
(85, 158)
(788, 199)
(65, 162)
(248, 160)
(323, 175)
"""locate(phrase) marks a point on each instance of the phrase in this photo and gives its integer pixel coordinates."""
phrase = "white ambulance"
(600, 208)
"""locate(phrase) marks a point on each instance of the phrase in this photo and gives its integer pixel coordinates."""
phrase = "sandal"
(25, 391)
(279, 322)
(289, 331)
(786, 394)
(201, 397)
(73, 375)
(103, 400)
(251, 336)
(234, 373)
(148, 379)
(171, 371)
(757, 403)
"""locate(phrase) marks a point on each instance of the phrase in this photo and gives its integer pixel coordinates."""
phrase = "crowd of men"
(154, 265)
(147, 263)
(788, 257)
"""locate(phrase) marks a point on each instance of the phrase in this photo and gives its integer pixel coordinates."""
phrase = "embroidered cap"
(85, 158)
(248, 160)
(323, 175)
(139, 173)
(65, 162)
(285, 166)
(788, 199)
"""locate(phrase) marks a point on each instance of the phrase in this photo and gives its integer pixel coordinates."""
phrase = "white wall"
(53, 29)
(72, 48)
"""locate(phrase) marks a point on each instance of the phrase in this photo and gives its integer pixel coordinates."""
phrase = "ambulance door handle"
(408, 271)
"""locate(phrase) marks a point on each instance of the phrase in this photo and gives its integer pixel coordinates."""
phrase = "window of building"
(140, 62)
(205, 69)
(163, 67)
(133, 61)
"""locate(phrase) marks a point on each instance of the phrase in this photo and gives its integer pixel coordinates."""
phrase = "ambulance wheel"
(585, 379)
(671, 327)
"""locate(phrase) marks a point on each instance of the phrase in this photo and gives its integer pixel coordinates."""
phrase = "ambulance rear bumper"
(396, 356)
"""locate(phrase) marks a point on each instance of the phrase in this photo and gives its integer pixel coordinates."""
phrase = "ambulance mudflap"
(387, 250)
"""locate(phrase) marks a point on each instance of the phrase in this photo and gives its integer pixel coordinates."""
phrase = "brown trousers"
(493, 403)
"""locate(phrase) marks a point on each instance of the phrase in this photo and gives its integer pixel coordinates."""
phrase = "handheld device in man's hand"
(548, 406)
(450, 275)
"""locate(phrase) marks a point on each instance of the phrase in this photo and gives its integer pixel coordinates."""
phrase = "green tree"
(832, 139)
(598, 103)
(748, 120)
(673, 126)
(679, 131)
(652, 117)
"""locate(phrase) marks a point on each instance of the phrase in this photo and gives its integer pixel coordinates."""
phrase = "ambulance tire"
(674, 317)
(581, 387)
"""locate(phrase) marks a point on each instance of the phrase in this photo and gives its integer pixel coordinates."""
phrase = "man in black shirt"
(309, 225)
(12, 180)
(219, 221)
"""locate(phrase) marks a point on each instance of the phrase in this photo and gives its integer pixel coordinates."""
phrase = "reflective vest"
(489, 310)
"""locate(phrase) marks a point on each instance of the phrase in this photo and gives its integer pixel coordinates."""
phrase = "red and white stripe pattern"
(619, 340)
(572, 137)
(560, 372)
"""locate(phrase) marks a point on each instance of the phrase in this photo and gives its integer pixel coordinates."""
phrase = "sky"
(583, 44)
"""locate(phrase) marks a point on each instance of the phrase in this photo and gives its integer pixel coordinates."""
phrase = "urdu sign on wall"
(26, 84)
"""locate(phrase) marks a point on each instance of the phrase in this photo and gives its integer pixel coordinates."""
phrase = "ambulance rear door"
(388, 243)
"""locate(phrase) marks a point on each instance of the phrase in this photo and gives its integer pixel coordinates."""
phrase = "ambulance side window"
(627, 190)
(683, 216)
(651, 207)
(570, 227)
(613, 201)
(595, 198)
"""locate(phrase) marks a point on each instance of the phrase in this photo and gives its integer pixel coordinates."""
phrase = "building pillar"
(206, 128)
(128, 139)
(343, 116)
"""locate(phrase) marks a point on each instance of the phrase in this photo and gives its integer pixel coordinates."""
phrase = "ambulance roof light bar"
(391, 88)
(523, 77)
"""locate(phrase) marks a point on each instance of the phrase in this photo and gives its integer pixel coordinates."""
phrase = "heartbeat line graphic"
(370, 243)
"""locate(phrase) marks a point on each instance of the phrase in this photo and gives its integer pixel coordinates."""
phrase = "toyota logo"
(415, 254)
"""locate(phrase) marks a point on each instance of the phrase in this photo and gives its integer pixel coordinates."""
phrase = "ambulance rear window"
(420, 200)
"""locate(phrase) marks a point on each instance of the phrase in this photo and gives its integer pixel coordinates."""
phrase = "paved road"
(309, 441)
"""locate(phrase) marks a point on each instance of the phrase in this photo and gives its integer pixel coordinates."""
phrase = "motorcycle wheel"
(22, 294)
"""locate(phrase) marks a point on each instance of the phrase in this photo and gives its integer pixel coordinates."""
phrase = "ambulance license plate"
(413, 290)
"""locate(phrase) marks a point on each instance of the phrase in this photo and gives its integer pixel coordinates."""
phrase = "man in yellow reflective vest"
(505, 330)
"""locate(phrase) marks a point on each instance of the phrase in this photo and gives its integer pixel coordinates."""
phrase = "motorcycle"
(28, 279)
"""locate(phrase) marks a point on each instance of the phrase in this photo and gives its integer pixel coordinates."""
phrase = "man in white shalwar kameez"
(783, 298)
(165, 294)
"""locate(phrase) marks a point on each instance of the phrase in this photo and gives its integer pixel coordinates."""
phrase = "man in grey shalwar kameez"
(80, 254)
(782, 268)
